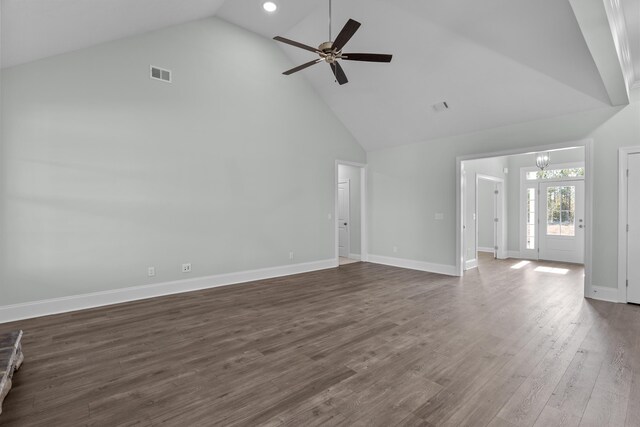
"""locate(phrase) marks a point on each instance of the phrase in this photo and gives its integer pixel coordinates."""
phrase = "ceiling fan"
(331, 51)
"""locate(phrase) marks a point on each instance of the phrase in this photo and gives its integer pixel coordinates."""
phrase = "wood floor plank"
(608, 404)
(363, 345)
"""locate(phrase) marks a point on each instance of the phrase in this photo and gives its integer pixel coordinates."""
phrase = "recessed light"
(269, 6)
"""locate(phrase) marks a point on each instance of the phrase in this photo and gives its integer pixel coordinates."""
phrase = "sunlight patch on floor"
(519, 265)
(552, 270)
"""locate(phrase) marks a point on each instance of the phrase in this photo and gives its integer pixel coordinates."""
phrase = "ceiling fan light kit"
(331, 51)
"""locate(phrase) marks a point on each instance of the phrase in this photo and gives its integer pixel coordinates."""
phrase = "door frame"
(364, 236)
(623, 157)
(534, 254)
(348, 182)
(588, 182)
(500, 239)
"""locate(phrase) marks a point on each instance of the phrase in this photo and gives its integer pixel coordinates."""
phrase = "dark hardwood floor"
(362, 345)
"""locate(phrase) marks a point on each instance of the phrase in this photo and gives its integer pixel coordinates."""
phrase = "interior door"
(343, 219)
(561, 207)
(633, 234)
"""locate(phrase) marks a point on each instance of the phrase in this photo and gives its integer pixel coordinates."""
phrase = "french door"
(561, 219)
(553, 223)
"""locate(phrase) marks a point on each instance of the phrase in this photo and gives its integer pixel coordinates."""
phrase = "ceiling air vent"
(441, 106)
(161, 74)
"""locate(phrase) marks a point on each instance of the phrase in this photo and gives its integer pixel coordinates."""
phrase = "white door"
(562, 221)
(343, 218)
(633, 235)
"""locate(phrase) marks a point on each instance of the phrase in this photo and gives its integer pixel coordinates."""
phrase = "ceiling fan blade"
(368, 57)
(301, 67)
(341, 77)
(345, 35)
(296, 44)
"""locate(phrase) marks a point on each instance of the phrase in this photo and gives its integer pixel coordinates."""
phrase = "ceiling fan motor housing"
(329, 55)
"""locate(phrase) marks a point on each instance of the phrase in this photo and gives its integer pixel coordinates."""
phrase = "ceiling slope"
(34, 29)
(495, 63)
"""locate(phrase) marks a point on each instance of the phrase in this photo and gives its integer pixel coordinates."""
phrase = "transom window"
(555, 174)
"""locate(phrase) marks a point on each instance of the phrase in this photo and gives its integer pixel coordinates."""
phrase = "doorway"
(344, 218)
(561, 220)
(523, 204)
(629, 226)
(490, 216)
(350, 218)
(552, 213)
(485, 210)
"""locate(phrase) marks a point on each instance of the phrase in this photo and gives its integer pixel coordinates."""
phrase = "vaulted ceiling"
(495, 62)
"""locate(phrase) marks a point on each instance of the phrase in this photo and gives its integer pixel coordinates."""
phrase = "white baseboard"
(519, 255)
(472, 263)
(355, 256)
(9, 313)
(604, 293)
(491, 250)
(449, 270)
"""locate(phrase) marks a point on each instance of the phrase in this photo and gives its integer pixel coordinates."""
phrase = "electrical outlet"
(186, 268)
(329, 216)
(151, 271)
(395, 249)
(439, 216)
(291, 255)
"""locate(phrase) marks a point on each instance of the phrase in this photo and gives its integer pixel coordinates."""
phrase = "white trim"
(623, 165)
(355, 256)
(481, 249)
(604, 293)
(9, 313)
(449, 270)
(603, 28)
(472, 263)
(364, 236)
(588, 213)
(588, 148)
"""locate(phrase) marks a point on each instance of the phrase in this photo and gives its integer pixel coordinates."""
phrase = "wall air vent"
(441, 106)
(160, 74)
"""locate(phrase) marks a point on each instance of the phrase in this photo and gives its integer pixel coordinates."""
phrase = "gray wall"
(410, 183)
(106, 172)
(486, 213)
(353, 175)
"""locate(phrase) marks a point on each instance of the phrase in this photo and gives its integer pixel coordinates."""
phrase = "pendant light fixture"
(543, 160)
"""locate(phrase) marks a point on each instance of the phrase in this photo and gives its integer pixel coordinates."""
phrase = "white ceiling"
(495, 62)
(34, 29)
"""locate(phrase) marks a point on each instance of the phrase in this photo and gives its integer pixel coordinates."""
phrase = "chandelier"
(542, 160)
